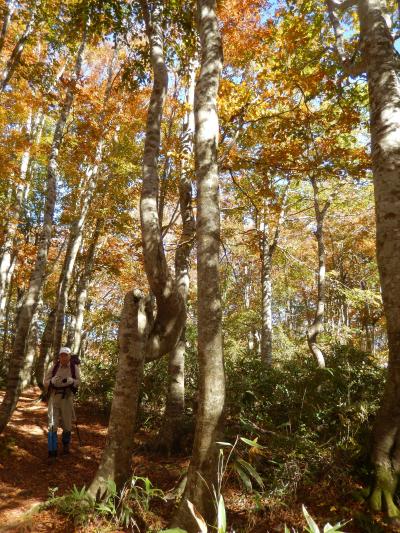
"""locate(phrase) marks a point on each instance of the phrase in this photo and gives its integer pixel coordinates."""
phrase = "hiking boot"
(52, 456)
(66, 438)
(65, 449)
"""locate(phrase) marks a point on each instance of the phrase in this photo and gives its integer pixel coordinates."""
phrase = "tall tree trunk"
(384, 96)
(318, 323)
(6, 325)
(202, 473)
(45, 348)
(171, 310)
(7, 267)
(162, 336)
(16, 53)
(171, 429)
(27, 372)
(74, 243)
(267, 249)
(169, 437)
(82, 290)
(37, 277)
(6, 262)
(116, 459)
(266, 300)
(9, 258)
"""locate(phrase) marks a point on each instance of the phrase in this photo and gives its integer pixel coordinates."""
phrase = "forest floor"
(26, 477)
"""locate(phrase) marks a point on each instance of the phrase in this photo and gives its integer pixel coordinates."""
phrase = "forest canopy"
(201, 200)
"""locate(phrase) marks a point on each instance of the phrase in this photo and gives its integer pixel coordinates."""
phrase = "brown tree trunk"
(202, 473)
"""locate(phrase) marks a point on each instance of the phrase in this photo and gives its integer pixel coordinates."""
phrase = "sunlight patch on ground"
(22, 518)
(34, 408)
(31, 429)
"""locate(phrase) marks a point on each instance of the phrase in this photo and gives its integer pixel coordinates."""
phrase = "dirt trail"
(25, 473)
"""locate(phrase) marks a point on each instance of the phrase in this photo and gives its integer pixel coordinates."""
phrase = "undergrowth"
(128, 508)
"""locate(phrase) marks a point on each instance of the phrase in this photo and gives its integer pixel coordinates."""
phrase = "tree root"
(386, 483)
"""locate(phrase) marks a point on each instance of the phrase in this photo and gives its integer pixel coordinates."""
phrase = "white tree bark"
(6, 262)
(116, 459)
(82, 290)
(169, 437)
(8, 259)
(27, 373)
(162, 334)
(379, 60)
(171, 309)
(202, 473)
(46, 344)
(267, 249)
(384, 96)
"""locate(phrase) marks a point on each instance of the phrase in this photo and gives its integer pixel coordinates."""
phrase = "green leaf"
(331, 529)
(312, 525)
(252, 472)
(252, 443)
(103, 508)
(221, 516)
(111, 487)
(244, 477)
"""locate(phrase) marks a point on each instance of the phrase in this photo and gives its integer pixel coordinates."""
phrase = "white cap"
(66, 350)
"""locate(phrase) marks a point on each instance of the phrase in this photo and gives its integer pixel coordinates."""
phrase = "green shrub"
(313, 421)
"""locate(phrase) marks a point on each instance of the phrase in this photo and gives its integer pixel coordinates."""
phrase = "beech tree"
(203, 472)
(377, 57)
(171, 428)
(150, 338)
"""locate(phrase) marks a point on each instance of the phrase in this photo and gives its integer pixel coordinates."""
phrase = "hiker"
(62, 381)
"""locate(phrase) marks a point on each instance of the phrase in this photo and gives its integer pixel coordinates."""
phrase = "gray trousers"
(61, 410)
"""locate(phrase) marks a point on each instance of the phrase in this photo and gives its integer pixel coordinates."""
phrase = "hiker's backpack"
(74, 361)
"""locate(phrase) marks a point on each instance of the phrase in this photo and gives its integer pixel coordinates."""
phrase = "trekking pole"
(76, 425)
(78, 433)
